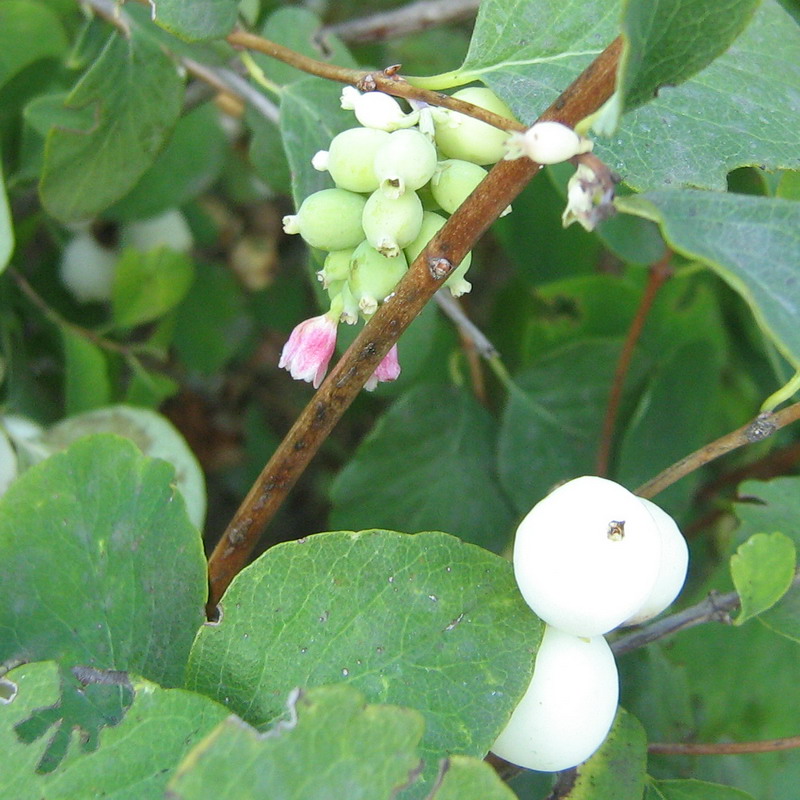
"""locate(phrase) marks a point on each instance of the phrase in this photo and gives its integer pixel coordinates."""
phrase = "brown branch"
(657, 276)
(448, 247)
(383, 81)
(411, 18)
(760, 428)
(723, 748)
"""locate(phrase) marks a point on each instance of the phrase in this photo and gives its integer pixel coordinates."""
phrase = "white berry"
(586, 557)
(568, 708)
(87, 268)
(547, 143)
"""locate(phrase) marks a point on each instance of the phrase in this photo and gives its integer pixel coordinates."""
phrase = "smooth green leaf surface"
(424, 621)
(617, 770)
(99, 564)
(664, 43)
(148, 284)
(6, 227)
(333, 745)
(22, 691)
(29, 31)
(692, 790)
(753, 243)
(186, 167)
(135, 94)
(87, 385)
(740, 110)
(768, 506)
(135, 759)
(762, 570)
(551, 425)
(449, 439)
(198, 19)
(152, 433)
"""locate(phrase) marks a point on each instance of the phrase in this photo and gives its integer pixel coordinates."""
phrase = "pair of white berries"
(589, 557)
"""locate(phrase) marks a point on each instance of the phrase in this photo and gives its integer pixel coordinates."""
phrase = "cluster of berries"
(396, 177)
(588, 558)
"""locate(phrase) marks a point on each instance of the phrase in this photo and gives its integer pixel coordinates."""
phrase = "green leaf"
(394, 480)
(551, 425)
(147, 285)
(423, 621)
(87, 537)
(86, 374)
(6, 227)
(692, 790)
(529, 52)
(333, 745)
(739, 111)
(135, 94)
(186, 167)
(463, 778)
(773, 505)
(298, 28)
(752, 243)
(126, 763)
(152, 433)
(762, 570)
(617, 770)
(681, 397)
(664, 44)
(29, 32)
(198, 20)
(22, 691)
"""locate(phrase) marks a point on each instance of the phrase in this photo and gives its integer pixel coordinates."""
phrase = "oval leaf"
(762, 572)
(424, 621)
(198, 20)
(692, 790)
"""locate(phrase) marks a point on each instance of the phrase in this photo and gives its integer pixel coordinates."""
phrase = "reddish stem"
(723, 748)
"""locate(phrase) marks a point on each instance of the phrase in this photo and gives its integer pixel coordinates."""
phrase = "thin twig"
(383, 81)
(446, 250)
(723, 748)
(715, 608)
(763, 426)
(657, 276)
(411, 18)
(467, 328)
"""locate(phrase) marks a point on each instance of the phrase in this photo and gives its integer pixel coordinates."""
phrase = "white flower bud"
(377, 110)
(547, 143)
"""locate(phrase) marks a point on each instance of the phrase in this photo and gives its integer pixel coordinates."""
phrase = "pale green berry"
(405, 162)
(464, 137)
(329, 219)
(351, 158)
(391, 223)
(432, 223)
(336, 268)
(373, 276)
(454, 181)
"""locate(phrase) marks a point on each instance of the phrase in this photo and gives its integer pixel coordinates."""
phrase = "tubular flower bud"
(547, 143)
(351, 158)
(377, 110)
(406, 162)
(309, 349)
(329, 219)
(387, 370)
(589, 200)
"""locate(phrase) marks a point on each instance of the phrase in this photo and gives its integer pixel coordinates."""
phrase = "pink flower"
(387, 370)
(309, 349)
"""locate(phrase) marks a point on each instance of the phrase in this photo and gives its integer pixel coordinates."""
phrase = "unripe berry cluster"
(589, 557)
(396, 177)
